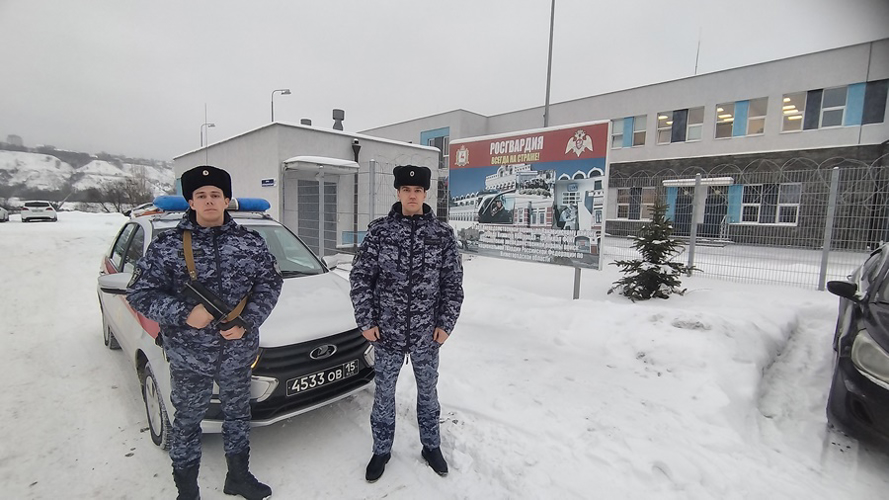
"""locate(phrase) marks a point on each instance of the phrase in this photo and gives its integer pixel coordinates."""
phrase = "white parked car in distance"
(38, 210)
(4, 215)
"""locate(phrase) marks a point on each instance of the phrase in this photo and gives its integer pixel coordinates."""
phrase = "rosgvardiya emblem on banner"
(579, 143)
(462, 156)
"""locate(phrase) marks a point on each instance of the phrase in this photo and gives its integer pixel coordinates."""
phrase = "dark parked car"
(858, 403)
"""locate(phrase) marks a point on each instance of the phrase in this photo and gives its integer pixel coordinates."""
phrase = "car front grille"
(287, 362)
(272, 361)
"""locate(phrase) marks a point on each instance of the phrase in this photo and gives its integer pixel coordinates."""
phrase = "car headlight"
(369, 356)
(871, 359)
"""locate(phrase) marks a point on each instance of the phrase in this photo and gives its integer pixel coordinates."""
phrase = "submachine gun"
(224, 317)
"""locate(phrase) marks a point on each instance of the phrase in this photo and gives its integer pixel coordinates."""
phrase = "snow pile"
(719, 393)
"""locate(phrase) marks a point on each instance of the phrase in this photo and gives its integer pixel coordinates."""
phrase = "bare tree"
(127, 193)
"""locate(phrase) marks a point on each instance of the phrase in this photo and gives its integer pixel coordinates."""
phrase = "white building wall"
(774, 79)
(462, 124)
(260, 154)
(249, 158)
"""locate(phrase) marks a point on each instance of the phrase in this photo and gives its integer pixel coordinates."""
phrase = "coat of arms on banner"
(579, 143)
(463, 156)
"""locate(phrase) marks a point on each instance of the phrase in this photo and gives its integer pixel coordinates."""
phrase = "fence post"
(321, 214)
(371, 186)
(694, 224)
(828, 225)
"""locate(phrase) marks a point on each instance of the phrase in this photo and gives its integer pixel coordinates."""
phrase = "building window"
(617, 134)
(695, 124)
(649, 195)
(833, 106)
(664, 127)
(725, 117)
(442, 144)
(788, 203)
(771, 203)
(628, 132)
(756, 116)
(874, 102)
(635, 203)
(570, 198)
(640, 123)
(681, 125)
(793, 109)
(597, 185)
(623, 203)
(750, 203)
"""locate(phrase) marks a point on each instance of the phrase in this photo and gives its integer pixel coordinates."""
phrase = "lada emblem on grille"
(324, 351)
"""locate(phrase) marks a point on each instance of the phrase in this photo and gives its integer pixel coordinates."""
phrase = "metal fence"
(333, 221)
(796, 223)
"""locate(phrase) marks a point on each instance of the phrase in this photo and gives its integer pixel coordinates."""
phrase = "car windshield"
(294, 259)
(36, 204)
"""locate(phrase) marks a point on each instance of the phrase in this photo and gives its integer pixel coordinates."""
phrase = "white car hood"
(310, 307)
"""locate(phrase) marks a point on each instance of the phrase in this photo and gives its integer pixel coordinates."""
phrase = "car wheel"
(834, 394)
(108, 335)
(155, 409)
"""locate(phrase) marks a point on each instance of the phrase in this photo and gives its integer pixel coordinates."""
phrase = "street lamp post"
(204, 128)
(282, 92)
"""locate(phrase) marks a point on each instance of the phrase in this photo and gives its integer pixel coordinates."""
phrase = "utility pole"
(549, 63)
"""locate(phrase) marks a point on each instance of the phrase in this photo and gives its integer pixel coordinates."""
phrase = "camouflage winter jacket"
(230, 260)
(407, 279)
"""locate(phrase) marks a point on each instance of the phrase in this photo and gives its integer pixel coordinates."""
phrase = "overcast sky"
(133, 77)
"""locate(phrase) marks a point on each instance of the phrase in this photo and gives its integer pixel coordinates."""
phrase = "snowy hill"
(25, 172)
(34, 170)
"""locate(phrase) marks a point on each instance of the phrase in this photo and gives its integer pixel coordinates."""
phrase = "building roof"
(351, 135)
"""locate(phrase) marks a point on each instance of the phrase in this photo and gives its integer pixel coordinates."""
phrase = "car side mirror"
(115, 284)
(331, 262)
(844, 289)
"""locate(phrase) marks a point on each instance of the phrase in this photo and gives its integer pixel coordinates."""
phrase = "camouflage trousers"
(382, 418)
(193, 370)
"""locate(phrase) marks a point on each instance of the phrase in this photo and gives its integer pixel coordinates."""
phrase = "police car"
(311, 351)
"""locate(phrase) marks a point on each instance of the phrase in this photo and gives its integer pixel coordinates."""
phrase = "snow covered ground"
(718, 394)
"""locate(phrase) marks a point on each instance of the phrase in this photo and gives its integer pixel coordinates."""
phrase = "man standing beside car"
(407, 290)
(234, 263)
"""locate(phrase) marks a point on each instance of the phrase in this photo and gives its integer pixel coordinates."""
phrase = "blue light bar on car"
(171, 203)
(249, 204)
(176, 203)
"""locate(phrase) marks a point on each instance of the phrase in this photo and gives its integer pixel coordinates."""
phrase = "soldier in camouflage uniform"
(407, 289)
(232, 261)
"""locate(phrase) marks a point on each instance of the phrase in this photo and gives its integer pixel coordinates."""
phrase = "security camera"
(354, 141)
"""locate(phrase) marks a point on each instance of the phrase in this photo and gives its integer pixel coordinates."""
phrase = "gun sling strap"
(193, 274)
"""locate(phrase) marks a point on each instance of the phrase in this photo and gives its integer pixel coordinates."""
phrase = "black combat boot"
(239, 480)
(186, 480)
(376, 467)
(435, 460)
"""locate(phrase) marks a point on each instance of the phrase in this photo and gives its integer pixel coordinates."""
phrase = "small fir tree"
(654, 275)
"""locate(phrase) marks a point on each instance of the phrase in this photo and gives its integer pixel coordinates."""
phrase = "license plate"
(315, 380)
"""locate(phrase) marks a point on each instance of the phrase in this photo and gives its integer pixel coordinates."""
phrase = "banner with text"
(537, 195)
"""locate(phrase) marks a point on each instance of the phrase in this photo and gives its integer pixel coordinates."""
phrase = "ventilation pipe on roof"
(356, 148)
(338, 117)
